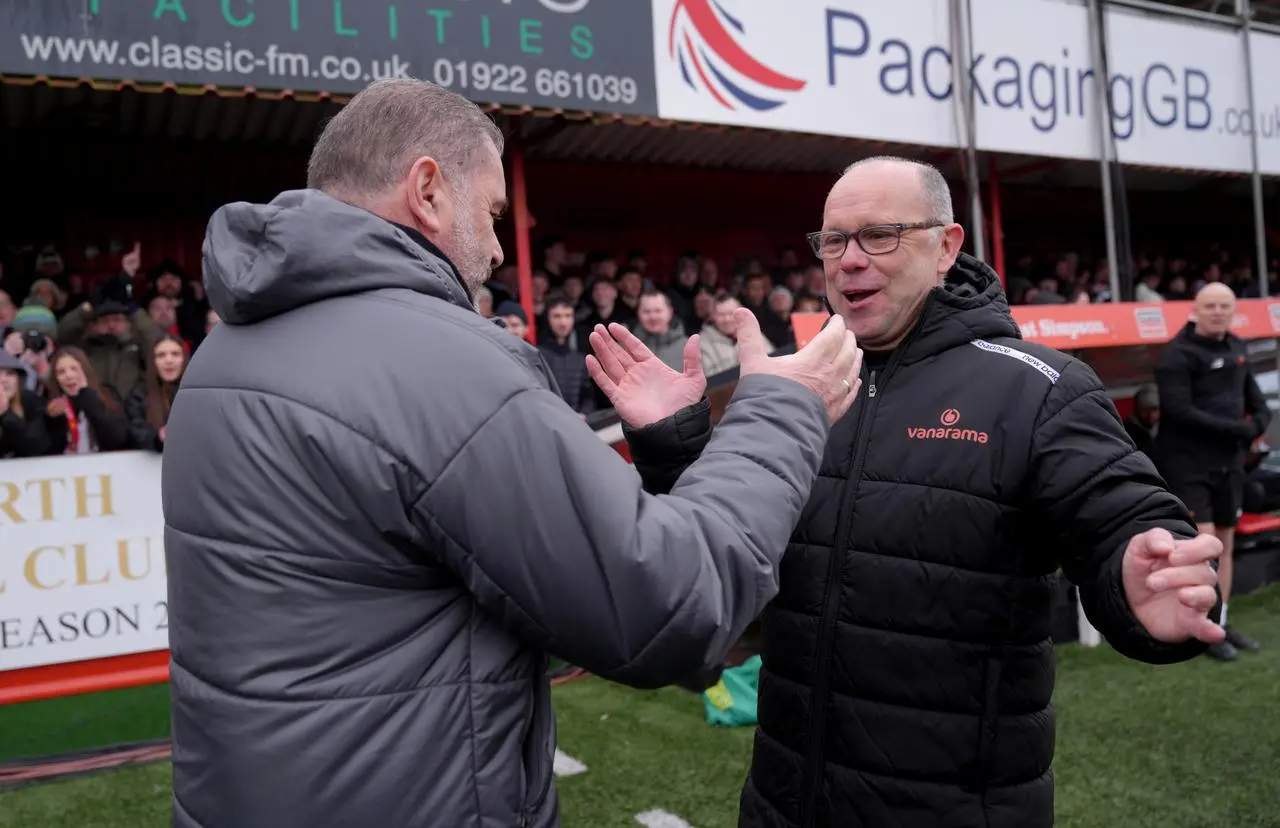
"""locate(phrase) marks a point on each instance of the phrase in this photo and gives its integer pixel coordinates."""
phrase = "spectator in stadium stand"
(1211, 411)
(119, 288)
(817, 280)
(164, 313)
(718, 339)
(554, 258)
(605, 307)
(600, 265)
(907, 660)
(573, 289)
(34, 349)
(659, 330)
(148, 404)
(36, 317)
(776, 320)
(514, 319)
(630, 286)
(187, 295)
(808, 304)
(116, 340)
(755, 296)
(565, 355)
(795, 280)
(541, 287)
(84, 416)
(1175, 288)
(8, 310)
(1144, 422)
(502, 287)
(1148, 287)
(638, 260)
(23, 431)
(704, 307)
(709, 274)
(46, 292)
(369, 559)
(682, 290)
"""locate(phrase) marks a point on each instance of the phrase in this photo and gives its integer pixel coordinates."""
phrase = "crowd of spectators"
(94, 367)
(91, 366)
(1068, 278)
(573, 293)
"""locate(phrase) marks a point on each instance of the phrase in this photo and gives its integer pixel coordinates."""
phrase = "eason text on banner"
(82, 566)
(884, 71)
(576, 54)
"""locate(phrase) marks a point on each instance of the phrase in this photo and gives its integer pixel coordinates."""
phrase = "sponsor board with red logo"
(1075, 327)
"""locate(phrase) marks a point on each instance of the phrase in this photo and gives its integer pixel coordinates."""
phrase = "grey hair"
(936, 191)
(367, 148)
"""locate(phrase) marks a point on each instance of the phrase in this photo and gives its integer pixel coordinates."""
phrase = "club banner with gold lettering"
(82, 571)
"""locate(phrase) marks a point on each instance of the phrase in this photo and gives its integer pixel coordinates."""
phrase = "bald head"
(1215, 308)
(915, 175)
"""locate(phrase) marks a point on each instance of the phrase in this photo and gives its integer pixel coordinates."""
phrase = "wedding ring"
(847, 387)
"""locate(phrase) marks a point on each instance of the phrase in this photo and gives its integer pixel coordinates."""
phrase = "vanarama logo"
(950, 420)
(699, 40)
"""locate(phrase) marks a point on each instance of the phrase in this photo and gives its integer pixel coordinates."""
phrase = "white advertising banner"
(885, 71)
(82, 569)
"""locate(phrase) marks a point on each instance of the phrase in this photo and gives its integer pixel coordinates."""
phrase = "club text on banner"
(82, 564)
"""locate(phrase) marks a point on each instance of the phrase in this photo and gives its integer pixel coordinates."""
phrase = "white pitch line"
(566, 765)
(659, 818)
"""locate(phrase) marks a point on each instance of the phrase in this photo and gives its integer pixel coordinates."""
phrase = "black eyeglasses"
(874, 239)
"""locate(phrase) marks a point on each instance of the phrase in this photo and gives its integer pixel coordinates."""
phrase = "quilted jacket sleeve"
(565, 547)
(661, 451)
(1097, 492)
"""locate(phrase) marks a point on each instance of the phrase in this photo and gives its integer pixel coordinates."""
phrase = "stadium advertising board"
(82, 565)
(887, 72)
(574, 54)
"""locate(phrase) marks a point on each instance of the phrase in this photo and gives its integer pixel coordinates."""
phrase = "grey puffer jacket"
(380, 518)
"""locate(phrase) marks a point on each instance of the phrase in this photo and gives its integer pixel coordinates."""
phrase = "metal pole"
(997, 220)
(1102, 111)
(1243, 7)
(962, 31)
(520, 212)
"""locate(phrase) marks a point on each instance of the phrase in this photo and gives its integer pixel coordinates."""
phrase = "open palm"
(641, 387)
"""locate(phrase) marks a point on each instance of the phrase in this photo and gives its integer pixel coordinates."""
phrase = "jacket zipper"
(814, 763)
(830, 603)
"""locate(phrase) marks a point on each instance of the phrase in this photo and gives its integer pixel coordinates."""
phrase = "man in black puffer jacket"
(908, 665)
(1211, 411)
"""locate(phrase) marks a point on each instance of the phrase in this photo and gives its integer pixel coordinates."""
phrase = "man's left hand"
(1170, 585)
(640, 386)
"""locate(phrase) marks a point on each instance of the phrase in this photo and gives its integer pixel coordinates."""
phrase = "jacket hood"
(969, 304)
(306, 246)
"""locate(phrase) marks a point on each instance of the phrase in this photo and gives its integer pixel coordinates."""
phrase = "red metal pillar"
(997, 220)
(520, 213)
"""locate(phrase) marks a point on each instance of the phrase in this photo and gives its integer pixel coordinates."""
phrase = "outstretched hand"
(1170, 585)
(830, 365)
(641, 387)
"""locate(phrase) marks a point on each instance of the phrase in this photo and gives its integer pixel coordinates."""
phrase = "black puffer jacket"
(907, 660)
(1206, 391)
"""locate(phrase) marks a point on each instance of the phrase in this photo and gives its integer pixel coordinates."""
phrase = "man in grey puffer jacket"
(380, 516)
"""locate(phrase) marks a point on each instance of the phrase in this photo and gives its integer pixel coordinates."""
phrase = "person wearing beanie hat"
(116, 340)
(36, 317)
(22, 413)
(514, 318)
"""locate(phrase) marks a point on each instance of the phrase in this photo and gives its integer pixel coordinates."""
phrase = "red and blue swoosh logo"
(712, 60)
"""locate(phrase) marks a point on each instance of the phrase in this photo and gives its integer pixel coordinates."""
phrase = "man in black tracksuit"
(907, 661)
(1211, 411)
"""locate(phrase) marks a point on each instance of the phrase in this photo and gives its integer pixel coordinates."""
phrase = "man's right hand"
(829, 365)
